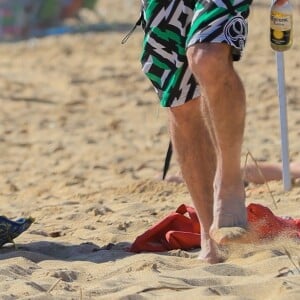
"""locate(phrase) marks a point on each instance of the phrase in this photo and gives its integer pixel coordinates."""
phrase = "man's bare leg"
(225, 97)
(196, 159)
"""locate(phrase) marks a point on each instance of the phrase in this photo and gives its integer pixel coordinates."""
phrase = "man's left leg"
(225, 98)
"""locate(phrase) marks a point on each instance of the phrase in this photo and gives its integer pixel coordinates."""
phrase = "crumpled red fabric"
(181, 229)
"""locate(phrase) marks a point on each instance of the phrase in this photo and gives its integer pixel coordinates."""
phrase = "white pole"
(283, 122)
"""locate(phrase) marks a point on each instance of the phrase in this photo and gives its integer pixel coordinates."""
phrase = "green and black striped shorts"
(171, 26)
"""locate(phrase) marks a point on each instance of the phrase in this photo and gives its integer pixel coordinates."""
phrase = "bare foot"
(230, 220)
(209, 251)
(229, 235)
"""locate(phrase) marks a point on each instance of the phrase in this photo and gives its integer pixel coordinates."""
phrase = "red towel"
(181, 229)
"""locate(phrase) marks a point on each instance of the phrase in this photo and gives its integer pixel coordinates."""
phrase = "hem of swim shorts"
(201, 42)
(235, 56)
(179, 102)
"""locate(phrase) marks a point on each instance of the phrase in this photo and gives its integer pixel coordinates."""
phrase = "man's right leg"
(195, 154)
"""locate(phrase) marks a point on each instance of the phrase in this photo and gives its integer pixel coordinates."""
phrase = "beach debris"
(285, 271)
(55, 234)
(99, 210)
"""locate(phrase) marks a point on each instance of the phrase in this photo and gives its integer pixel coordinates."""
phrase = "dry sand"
(82, 138)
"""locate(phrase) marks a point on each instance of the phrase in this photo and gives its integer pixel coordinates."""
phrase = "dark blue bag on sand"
(9, 229)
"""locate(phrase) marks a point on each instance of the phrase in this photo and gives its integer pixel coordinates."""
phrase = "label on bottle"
(281, 25)
(280, 37)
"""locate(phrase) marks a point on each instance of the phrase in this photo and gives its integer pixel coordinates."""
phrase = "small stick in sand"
(53, 285)
(261, 174)
(291, 259)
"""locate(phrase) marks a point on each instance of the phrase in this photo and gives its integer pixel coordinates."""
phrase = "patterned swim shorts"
(171, 26)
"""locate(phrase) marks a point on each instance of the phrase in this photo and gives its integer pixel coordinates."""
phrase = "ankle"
(229, 192)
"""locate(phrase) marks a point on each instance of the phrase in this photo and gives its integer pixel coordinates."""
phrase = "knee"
(207, 61)
(182, 115)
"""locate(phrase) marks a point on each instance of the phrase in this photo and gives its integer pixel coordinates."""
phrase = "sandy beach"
(82, 140)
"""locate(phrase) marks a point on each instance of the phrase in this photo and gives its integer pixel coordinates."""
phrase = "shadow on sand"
(45, 250)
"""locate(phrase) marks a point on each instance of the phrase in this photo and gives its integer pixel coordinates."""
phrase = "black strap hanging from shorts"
(167, 161)
(139, 22)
